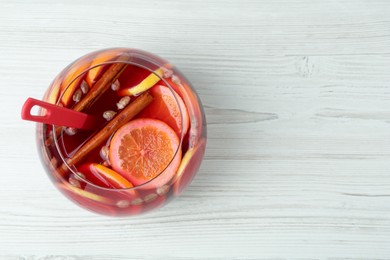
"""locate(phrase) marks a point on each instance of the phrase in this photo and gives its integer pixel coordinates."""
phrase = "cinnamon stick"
(119, 120)
(104, 83)
(101, 86)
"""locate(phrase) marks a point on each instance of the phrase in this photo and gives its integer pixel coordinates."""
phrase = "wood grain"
(297, 97)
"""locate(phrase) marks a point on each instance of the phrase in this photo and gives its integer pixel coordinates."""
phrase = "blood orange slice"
(145, 149)
(165, 108)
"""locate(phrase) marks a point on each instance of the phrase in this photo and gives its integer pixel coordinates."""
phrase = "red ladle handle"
(56, 115)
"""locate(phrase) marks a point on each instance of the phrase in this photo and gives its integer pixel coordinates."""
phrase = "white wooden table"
(297, 97)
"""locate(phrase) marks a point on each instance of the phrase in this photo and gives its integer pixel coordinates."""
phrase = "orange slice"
(114, 178)
(165, 107)
(53, 92)
(70, 83)
(93, 74)
(144, 150)
(103, 176)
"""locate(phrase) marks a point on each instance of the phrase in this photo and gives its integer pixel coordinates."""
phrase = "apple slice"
(189, 165)
(85, 194)
(144, 85)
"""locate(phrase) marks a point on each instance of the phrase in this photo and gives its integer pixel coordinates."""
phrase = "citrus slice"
(194, 109)
(108, 55)
(70, 83)
(104, 177)
(164, 107)
(114, 178)
(97, 69)
(145, 149)
(91, 175)
(188, 167)
(53, 92)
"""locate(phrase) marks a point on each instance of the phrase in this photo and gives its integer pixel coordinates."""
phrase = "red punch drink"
(149, 139)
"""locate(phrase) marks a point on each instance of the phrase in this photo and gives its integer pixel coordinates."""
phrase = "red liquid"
(90, 189)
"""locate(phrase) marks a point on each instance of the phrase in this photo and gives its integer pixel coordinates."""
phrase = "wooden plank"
(297, 97)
